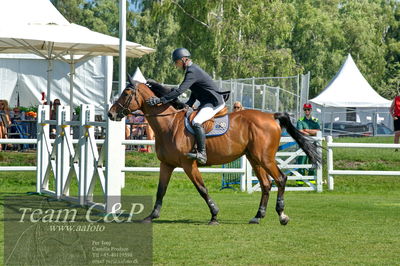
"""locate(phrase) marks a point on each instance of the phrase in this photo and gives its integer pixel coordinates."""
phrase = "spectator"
(18, 128)
(150, 136)
(53, 116)
(5, 121)
(395, 112)
(128, 126)
(17, 114)
(237, 106)
(138, 125)
(309, 126)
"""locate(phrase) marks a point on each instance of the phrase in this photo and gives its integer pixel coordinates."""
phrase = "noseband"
(125, 107)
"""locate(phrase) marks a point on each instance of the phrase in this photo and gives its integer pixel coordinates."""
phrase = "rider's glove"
(152, 101)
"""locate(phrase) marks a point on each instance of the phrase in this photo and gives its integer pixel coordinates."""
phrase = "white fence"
(332, 172)
(64, 159)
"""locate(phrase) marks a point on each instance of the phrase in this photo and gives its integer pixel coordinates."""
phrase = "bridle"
(125, 107)
(125, 110)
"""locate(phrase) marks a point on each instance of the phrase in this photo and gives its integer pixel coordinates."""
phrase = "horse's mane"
(159, 90)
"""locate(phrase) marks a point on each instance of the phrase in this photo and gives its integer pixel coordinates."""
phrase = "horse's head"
(130, 100)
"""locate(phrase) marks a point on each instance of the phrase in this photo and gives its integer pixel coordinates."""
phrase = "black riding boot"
(200, 135)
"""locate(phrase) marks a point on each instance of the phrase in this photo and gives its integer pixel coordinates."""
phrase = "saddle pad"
(221, 126)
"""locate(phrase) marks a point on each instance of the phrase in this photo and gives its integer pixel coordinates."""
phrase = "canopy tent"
(36, 26)
(349, 97)
(138, 76)
(23, 79)
(349, 88)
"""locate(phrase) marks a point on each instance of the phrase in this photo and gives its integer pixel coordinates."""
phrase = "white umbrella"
(36, 26)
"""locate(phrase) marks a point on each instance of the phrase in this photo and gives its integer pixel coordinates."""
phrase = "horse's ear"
(130, 79)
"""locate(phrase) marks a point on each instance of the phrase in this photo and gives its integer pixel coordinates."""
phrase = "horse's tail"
(307, 144)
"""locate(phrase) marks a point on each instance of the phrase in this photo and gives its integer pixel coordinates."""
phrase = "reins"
(126, 110)
(167, 114)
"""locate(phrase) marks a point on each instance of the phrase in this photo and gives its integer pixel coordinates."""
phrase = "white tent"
(349, 88)
(23, 79)
(349, 97)
(36, 26)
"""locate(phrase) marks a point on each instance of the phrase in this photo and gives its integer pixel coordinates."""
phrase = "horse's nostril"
(111, 116)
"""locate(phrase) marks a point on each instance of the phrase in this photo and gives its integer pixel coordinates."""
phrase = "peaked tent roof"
(349, 88)
(138, 76)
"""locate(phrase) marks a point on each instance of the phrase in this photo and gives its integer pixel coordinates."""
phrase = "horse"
(251, 133)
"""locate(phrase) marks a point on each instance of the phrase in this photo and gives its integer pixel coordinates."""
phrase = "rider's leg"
(206, 113)
(200, 136)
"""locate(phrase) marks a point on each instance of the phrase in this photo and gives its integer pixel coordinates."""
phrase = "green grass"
(357, 223)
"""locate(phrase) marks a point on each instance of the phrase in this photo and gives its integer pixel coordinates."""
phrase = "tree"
(235, 39)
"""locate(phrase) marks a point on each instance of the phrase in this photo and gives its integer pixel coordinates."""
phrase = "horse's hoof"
(254, 221)
(213, 222)
(284, 219)
(147, 220)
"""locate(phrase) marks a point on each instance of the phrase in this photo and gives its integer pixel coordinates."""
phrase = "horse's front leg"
(165, 175)
(192, 171)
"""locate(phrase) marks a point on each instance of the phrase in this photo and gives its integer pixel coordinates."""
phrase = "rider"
(202, 89)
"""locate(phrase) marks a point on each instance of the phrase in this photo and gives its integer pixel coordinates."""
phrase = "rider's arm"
(187, 82)
(192, 99)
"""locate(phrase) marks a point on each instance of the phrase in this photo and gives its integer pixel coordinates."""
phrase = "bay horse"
(251, 133)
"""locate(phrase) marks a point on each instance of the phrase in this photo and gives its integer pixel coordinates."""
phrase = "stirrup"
(199, 157)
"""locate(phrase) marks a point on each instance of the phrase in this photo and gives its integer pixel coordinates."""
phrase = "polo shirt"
(304, 123)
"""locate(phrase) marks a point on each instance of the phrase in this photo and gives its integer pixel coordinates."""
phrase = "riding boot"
(200, 136)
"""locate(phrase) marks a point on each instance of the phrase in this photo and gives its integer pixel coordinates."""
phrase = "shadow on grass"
(197, 222)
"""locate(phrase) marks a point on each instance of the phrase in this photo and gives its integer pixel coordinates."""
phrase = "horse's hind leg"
(194, 174)
(265, 185)
(280, 180)
(165, 175)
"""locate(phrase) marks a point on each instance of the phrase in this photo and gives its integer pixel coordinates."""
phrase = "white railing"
(287, 163)
(332, 172)
(248, 182)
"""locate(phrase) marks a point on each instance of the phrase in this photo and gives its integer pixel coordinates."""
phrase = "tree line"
(257, 38)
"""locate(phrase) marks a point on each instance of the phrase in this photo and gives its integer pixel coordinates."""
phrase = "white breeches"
(206, 113)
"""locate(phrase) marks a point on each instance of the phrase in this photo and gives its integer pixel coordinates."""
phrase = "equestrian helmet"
(179, 53)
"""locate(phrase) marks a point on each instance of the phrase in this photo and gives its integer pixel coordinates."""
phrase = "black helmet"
(179, 53)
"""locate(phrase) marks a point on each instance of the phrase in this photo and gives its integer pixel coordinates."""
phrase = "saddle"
(211, 128)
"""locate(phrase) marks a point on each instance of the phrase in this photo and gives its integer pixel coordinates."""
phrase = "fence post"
(65, 115)
(330, 163)
(88, 170)
(253, 86)
(249, 179)
(114, 159)
(243, 174)
(298, 97)
(263, 99)
(277, 99)
(80, 149)
(41, 150)
(319, 169)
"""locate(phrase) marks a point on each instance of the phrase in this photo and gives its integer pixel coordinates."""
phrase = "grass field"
(357, 223)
